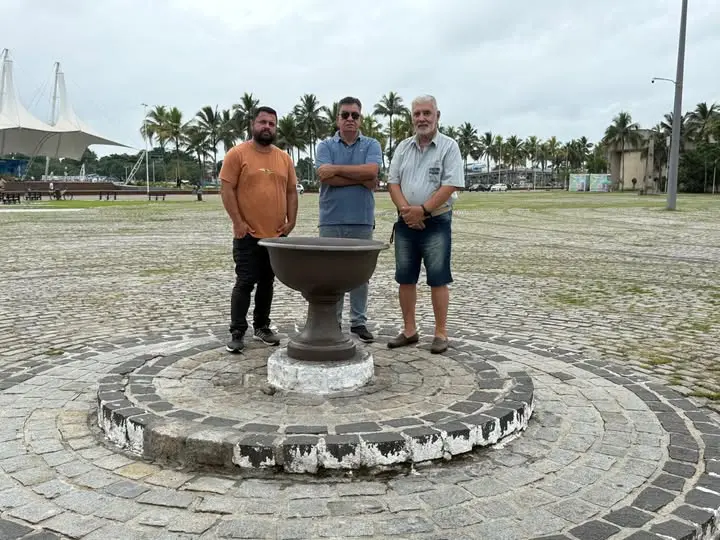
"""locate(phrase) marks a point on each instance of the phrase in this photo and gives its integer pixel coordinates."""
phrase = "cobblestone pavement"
(597, 319)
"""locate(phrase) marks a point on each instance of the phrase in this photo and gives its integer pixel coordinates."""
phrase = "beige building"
(637, 165)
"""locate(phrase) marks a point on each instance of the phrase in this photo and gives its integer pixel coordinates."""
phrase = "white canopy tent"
(22, 133)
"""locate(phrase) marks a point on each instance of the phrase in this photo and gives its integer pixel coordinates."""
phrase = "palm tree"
(196, 142)
(370, 127)
(552, 153)
(701, 120)
(330, 119)
(468, 141)
(289, 136)
(450, 131)
(402, 129)
(497, 152)
(167, 125)
(212, 126)
(152, 126)
(390, 105)
(308, 114)
(515, 149)
(532, 147)
(245, 113)
(622, 131)
(485, 145)
(229, 135)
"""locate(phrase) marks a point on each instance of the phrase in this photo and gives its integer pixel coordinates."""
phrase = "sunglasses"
(345, 114)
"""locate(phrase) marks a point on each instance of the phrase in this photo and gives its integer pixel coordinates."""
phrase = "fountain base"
(319, 377)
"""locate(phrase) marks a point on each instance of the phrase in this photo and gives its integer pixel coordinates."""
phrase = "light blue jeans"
(358, 296)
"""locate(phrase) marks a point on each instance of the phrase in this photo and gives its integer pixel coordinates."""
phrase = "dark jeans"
(252, 268)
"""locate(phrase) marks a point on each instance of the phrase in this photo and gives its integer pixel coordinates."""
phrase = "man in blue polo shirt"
(348, 165)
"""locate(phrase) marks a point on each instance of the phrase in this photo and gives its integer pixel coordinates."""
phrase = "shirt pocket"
(435, 173)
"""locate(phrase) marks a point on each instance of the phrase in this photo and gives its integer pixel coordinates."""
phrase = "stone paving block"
(455, 517)
(653, 499)
(11, 529)
(166, 497)
(629, 517)
(35, 512)
(245, 528)
(14, 497)
(209, 484)
(193, 523)
(307, 508)
(403, 525)
(597, 530)
(73, 525)
(349, 527)
(449, 496)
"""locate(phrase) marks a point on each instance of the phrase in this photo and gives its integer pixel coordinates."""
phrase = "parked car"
(498, 187)
(300, 189)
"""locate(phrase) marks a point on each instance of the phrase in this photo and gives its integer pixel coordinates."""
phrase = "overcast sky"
(558, 67)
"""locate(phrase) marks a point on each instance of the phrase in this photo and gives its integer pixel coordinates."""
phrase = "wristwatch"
(425, 211)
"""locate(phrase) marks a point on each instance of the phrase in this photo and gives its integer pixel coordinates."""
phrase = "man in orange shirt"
(259, 193)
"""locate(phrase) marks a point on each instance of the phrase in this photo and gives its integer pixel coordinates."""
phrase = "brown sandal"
(402, 341)
(439, 345)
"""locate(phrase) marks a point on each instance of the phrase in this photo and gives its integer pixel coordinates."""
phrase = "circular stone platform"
(286, 373)
(204, 406)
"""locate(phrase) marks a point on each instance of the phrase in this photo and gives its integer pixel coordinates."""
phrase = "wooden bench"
(10, 197)
(33, 196)
(156, 195)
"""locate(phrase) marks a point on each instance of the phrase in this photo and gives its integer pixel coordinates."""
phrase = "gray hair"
(427, 98)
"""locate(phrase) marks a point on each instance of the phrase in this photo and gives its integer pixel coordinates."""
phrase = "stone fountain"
(340, 406)
(321, 359)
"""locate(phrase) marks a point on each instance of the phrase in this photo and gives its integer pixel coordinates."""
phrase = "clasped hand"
(414, 216)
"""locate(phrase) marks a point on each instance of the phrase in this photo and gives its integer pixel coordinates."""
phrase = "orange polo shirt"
(260, 180)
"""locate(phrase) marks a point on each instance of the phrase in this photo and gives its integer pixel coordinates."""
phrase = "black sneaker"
(236, 344)
(267, 336)
(363, 333)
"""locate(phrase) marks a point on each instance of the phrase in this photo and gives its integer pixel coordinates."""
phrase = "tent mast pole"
(52, 114)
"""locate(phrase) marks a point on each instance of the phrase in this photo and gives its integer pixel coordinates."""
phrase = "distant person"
(259, 193)
(426, 170)
(348, 165)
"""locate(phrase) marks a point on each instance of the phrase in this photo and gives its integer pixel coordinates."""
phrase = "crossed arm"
(349, 175)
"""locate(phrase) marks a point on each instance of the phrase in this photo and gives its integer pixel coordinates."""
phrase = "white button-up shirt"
(421, 172)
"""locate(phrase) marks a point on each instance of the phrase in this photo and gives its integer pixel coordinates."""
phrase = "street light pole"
(147, 163)
(677, 114)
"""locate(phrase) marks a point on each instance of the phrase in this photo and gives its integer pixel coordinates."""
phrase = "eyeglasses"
(345, 114)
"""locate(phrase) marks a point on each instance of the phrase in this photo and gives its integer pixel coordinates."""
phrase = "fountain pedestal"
(321, 359)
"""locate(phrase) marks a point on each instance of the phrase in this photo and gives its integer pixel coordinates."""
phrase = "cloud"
(560, 67)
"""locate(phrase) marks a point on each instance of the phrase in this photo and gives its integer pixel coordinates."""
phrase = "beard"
(263, 137)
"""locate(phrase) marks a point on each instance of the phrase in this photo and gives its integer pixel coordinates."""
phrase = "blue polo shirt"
(348, 205)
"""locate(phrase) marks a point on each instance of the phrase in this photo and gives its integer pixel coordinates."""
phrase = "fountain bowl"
(322, 270)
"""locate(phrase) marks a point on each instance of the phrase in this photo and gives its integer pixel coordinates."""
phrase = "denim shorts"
(430, 246)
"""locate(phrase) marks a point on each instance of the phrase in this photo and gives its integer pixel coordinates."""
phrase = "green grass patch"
(635, 289)
(54, 352)
(570, 299)
(712, 396)
(547, 200)
(653, 359)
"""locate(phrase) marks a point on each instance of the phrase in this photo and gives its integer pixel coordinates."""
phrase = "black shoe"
(267, 336)
(236, 344)
(362, 333)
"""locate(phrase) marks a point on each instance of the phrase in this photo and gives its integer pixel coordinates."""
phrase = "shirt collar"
(434, 140)
(337, 138)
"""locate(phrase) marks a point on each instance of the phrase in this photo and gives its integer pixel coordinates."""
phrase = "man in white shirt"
(426, 171)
